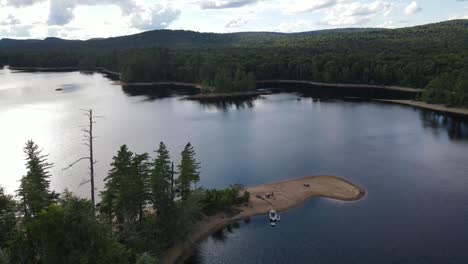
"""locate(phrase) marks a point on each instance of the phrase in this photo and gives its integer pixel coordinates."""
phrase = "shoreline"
(193, 85)
(345, 85)
(342, 85)
(226, 96)
(462, 112)
(288, 194)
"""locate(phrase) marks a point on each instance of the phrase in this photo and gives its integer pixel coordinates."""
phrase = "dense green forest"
(433, 56)
(146, 207)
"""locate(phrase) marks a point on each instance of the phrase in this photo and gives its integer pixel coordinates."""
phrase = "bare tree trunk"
(90, 140)
(91, 155)
(172, 181)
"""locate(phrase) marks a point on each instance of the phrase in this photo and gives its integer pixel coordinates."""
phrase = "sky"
(85, 19)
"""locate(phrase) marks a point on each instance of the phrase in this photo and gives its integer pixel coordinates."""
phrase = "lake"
(413, 163)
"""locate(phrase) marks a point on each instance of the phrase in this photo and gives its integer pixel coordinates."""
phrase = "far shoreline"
(455, 111)
(288, 194)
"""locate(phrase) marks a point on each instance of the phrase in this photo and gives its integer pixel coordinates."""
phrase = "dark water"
(413, 163)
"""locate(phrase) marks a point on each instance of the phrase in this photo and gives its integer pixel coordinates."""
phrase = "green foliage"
(34, 189)
(139, 215)
(161, 180)
(126, 189)
(146, 258)
(188, 172)
(7, 219)
(219, 200)
(411, 57)
(69, 233)
(162, 187)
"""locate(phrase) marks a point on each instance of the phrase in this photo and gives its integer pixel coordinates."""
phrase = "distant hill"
(433, 56)
(448, 35)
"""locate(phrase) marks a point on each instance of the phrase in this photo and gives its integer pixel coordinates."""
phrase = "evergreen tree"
(162, 191)
(188, 171)
(34, 190)
(141, 182)
(117, 196)
(7, 218)
(69, 233)
(161, 179)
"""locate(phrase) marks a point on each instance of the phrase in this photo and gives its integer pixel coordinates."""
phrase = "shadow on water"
(456, 129)
(155, 92)
(323, 92)
(225, 105)
(220, 236)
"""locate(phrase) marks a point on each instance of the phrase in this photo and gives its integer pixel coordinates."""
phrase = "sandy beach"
(287, 194)
(434, 107)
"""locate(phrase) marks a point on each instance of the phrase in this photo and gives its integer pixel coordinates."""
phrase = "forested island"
(433, 57)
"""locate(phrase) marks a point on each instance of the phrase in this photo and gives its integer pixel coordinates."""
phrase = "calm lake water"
(413, 163)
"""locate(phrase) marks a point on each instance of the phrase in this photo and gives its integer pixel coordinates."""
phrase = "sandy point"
(280, 196)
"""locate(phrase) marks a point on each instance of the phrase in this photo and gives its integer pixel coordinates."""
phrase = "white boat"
(273, 215)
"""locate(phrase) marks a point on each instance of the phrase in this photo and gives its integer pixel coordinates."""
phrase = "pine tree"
(162, 194)
(116, 198)
(141, 175)
(161, 178)
(7, 218)
(188, 171)
(34, 190)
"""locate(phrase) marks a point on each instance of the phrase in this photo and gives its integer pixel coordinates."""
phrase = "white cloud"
(296, 26)
(309, 6)
(16, 31)
(235, 23)
(154, 17)
(9, 21)
(21, 3)
(221, 4)
(392, 24)
(356, 13)
(412, 8)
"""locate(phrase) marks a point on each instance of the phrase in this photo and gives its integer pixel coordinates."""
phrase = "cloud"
(356, 13)
(221, 4)
(156, 17)
(296, 26)
(22, 3)
(239, 22)
(412, 8)
(10, 21)
(61, 11)
(17, 31)
(309, 6)
(142, 17)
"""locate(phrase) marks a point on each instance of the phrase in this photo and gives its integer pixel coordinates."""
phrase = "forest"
(146, 206)
(434, 57)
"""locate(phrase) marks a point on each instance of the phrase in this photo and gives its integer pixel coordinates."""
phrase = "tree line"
(432, 56)
(146, 206)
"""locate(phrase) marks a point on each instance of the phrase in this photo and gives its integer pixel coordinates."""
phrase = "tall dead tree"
(89, 140)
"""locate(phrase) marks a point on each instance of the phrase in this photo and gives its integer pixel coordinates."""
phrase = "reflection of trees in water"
(156, 92)
(221, 235)
(456, 129)
(227, 104)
